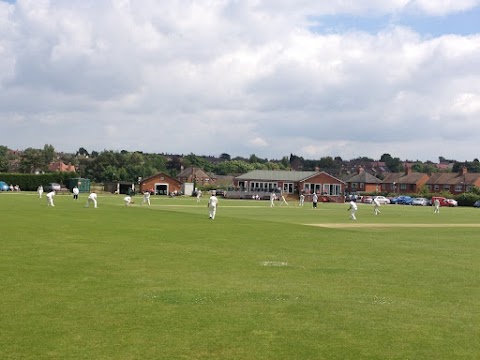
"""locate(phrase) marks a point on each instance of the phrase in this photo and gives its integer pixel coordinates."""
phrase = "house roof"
(363, 177)
(158, 175)
(453, 179)
(190, 171)
(280, 175)
(402, 178)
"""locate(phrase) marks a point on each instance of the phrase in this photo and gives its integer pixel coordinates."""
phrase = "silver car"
(420, 201)
(382, 200)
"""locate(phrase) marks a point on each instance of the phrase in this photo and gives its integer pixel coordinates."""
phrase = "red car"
(445, 201)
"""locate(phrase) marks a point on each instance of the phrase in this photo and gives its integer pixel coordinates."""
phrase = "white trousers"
(212, 210)
(352, 214)
(93, 201)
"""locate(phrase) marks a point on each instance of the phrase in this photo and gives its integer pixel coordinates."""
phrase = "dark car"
(476, 204)
(402, 200)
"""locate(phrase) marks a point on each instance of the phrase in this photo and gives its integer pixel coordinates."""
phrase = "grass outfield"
(165, 282)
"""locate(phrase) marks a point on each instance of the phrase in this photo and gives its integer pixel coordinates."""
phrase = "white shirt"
(213, 201)
(353, 205)
(92, 196)
(75, 190)
(51, 194)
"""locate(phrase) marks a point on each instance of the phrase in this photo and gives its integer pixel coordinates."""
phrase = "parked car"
(420, 201)
(444, 201)
(219, 192)
(452, 202)
(382, 200)
(4, 186)
(52, 186)
(476, 204)
(367, 200)
(402, 200)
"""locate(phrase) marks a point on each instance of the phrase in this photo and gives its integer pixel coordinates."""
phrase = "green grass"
(165, 282)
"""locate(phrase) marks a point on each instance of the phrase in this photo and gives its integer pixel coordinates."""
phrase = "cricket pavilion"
(290, 184)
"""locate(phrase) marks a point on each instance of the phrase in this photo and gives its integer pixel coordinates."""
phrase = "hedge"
(30, 182)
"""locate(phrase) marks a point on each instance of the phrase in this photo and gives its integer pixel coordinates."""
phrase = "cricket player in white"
(92, 198)
(212, 206)
(199, 195)
(376, 206)
(283, 200)
(50, 196)
(146, 197)
(353, 210)
(127, 200)
(40, 191)
(302, 200)
(436, 206)
(272, 199)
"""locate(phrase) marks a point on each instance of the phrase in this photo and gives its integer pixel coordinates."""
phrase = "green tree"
(225, 157)
(4, 163)
(198, 161)
(48, 154)
(31, 161)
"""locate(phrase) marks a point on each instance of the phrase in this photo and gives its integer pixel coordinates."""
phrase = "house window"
(312, 188)
(288, 188)
(436, 187)
(263, 186)
(403, 186)
(354, 185)
(458, 188)
(362, 185)
(429, 187)
(446, 187)
(332, 189)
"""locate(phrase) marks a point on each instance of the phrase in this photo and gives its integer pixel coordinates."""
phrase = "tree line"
(109, 165)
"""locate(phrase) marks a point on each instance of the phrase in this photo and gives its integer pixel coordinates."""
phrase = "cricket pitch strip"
(366, 225)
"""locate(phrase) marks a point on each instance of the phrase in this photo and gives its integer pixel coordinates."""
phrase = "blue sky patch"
(462, 23)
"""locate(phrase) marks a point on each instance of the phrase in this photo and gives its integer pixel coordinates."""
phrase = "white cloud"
(233, 76)
(258, 142)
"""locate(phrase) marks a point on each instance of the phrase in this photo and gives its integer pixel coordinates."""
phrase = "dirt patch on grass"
(364, 225)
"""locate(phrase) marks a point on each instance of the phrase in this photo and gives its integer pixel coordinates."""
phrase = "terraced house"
(454, 183)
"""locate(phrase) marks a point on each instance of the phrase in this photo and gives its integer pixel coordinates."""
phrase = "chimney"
(463, 170)
(360, 169)
(408, 170)
(317, 169)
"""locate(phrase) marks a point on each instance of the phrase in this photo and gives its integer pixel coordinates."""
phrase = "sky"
(266, 77)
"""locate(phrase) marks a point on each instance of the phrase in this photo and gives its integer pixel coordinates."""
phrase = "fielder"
(353, 209)
(436, 206)
(302, 200)
(376, 206)
(212, 206)
(146, 197)
(92, 198)
(272, 199)
(128, 200)
(199, 195)
(50, 196)
(40, 191)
